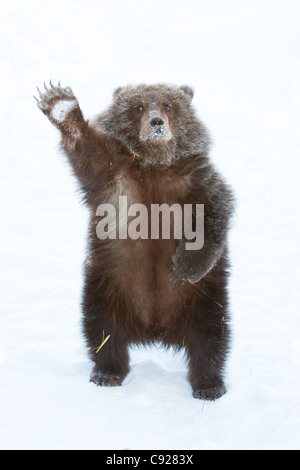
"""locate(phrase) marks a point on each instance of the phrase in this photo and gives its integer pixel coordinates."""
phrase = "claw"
(40, 93)
(43, 96)
(52, 91)
(60, 91)
(54, 88)
(35, 98)
(46, 87)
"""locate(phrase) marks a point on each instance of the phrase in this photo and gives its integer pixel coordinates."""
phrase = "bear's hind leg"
(107, 372)
(112, 359)
(207, 344)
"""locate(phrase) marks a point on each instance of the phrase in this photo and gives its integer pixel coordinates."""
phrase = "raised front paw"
(56, 102)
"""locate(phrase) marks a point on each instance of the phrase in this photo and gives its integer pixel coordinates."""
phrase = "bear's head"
(156, 122)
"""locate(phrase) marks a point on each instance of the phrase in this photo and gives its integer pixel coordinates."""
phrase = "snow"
(242, 59)
(62, 109)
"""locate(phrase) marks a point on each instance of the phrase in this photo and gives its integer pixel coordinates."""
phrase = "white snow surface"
(242, 58)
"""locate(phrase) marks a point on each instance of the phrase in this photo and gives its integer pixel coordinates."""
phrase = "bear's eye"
(140, 109)
(168, 107)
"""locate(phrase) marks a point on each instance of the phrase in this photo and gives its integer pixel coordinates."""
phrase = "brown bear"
(150, 148)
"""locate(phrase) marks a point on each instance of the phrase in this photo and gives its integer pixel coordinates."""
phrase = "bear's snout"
(154, 126)
(156, 121)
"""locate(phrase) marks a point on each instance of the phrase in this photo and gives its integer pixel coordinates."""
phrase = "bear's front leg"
(88, 150)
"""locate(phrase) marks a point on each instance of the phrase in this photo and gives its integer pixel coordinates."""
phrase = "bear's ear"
(188, 91)
(117, 91)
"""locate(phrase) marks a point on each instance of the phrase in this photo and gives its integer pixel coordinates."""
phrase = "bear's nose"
(157, 121)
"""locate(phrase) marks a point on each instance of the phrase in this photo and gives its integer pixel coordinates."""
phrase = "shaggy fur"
(142, 291)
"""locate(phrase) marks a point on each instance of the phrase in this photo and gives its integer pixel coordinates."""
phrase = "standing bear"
(149, 149)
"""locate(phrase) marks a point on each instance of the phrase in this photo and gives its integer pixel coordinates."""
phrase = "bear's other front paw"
(185, 274)
(105, 380)
(56, 102)
(185, 267)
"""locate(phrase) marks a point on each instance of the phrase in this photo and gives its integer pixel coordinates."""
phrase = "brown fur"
(141, 291)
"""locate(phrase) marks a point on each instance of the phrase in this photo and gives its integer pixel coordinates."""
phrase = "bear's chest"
(143, 271)
(152, 187)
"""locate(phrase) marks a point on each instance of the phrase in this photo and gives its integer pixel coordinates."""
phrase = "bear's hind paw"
(106, 380)
(210, 394)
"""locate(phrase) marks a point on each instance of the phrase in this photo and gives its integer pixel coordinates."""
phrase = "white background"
(242, 58)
